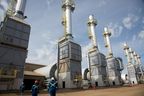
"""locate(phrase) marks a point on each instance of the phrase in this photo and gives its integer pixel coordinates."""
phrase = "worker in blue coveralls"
(52, 86)
(35, 89)
(22, 88)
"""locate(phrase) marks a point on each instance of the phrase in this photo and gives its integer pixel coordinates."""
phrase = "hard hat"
(36, 81)
(52, 78)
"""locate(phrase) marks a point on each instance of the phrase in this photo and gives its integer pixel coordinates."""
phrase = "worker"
(22, 88)
(52, 86)
(35, 89)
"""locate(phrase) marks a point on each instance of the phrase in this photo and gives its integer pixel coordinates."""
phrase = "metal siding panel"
(15, 33)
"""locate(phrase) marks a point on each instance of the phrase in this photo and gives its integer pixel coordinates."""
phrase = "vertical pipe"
(107, 34)
(131, 56)
(20, 8)
(91, 24)
(136, 59)
(68, 7)
(68, 20)
(126, 48)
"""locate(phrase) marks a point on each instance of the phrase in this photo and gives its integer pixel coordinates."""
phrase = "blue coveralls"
(35, 90)
(52, 88)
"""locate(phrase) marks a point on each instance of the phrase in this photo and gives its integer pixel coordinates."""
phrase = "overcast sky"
(124, 17)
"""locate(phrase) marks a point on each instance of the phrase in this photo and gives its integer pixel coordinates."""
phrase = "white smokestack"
(91, 26)
(132, 58)
(68, 7)
(20, 8)
(126, 49)
(107, 34)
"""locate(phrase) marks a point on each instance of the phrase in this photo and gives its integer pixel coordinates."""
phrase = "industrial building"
(14, 39)
(135, 71)
(30, 75)
(97, 60)
(103, 70)
(69, 52)
(113, 68)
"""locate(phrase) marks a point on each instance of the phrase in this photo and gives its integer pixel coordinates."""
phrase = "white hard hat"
(52, 78)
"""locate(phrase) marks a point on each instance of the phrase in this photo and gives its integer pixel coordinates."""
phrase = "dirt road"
(120, 91)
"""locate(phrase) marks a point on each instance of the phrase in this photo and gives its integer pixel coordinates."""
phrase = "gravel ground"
(119, 91)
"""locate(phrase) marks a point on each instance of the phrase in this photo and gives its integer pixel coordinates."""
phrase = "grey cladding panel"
(75, 51)
(75, 69)
(131, 71)
(12, 55)
(64, 51)
(111, 63)
(15, 33)
(97, 59)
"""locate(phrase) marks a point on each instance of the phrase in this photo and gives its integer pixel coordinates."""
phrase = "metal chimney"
(106, 35)
(20, 8)
(132, 58)
(126, 49)
(91, 30)
(68, 6)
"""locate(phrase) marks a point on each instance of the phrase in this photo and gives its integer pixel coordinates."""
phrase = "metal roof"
(31, 73)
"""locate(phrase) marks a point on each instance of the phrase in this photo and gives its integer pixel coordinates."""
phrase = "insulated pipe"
(68, 7)
(132, 58)
(91, 26)
(106, 35)
(136, 59)
(126, 49)
(20, 8)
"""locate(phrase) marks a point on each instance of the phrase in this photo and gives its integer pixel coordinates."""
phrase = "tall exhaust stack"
(135, 58)
(114, 72)
(14, 42)
(91, 29)
(68, 7)
(97, 60)
(130, 67)
(126, 49)
(69, 52)
(107, 34)
(132, 58)
(20, 8)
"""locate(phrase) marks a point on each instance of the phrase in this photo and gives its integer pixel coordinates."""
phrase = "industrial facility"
(97, 60)
(134, 67)
(113, 68)
(14, 39)
(104, 69)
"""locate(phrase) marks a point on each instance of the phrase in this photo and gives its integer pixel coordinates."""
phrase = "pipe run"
(106, 35)
(126, 49)
(20, 8)
(68, 7)
(91, 30)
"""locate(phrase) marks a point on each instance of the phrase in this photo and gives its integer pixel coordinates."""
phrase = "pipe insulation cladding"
(20, 8)
(107, 34)
(91, 26)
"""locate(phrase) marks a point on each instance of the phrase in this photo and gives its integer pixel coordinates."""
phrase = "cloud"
(129, 21)
(141, 34)
(101, 3)
(3, 8)
(134, 38)
(48, 2)
(4, 5)
(115, 29)
(45, 54)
